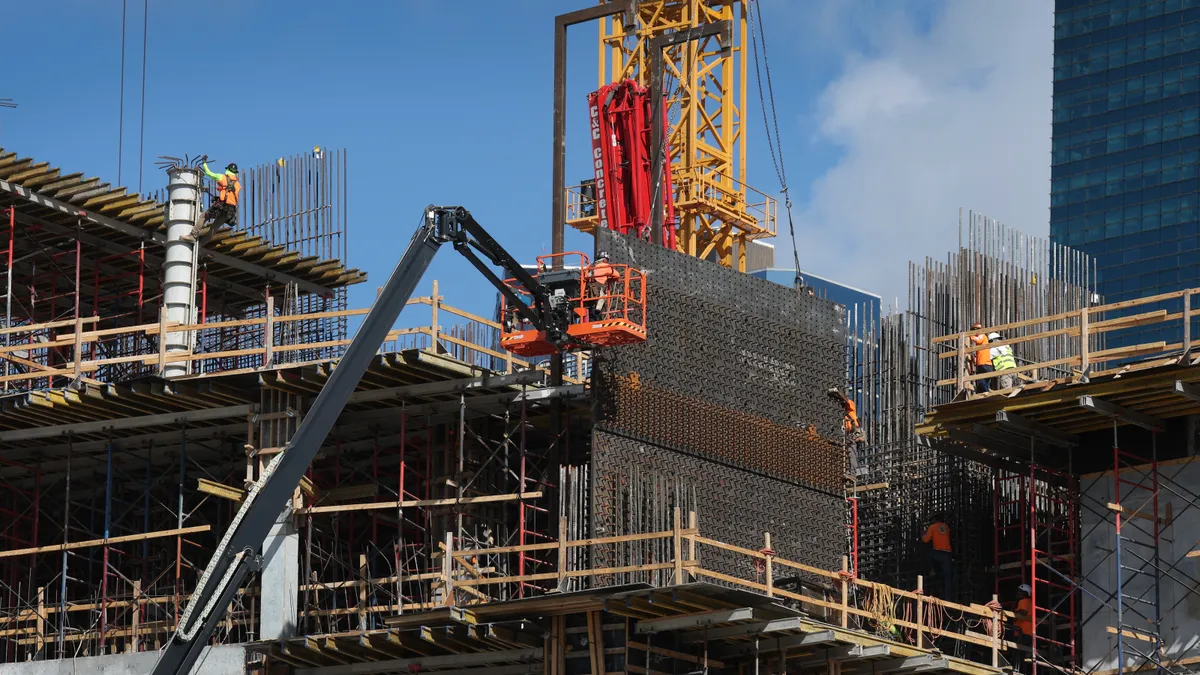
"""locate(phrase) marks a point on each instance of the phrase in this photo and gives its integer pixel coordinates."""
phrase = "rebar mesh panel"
(730, 341)
(638, 484)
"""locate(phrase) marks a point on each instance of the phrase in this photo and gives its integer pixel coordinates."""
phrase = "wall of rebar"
(723, 410)
(997, 275)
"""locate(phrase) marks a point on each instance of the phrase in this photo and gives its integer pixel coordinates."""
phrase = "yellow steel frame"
(718, 213)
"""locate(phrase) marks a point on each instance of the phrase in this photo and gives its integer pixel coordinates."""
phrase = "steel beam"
(1043, 432)
(746, 629)
(428, 663)
(1186, 390)
(694, 620)
(1121, 413)
(160, 238)
(922, 663)
(628, 11)
(843, 653)
(777, 644)
(458, 386)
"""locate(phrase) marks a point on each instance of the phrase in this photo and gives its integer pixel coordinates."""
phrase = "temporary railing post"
(433, 314)
(137, 615)
(997, 616)
(1187, 322)
(692, 541)
(677, 541)
(962, 361)
(562, 551)
(78, 346)
(845, 592)
(1083, 341)
(269, 333)
(920, 612)
(448, 571)
(41, 622)
(768, 565)
(162, 339)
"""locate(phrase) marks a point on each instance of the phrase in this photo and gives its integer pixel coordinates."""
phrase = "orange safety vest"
(939, 534)
(604, 273)
(983, 357)
(1025, 625)
(851, 416)
(229, 194)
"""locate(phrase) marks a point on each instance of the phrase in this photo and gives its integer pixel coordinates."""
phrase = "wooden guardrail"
(1080, 332)
(855, 603)
(79, 349)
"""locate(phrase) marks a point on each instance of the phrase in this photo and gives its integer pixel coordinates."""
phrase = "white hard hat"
(1024, 588)
(993, 336)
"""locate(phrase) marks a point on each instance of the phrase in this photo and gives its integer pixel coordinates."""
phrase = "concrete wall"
(1179, 600)
(221, 660)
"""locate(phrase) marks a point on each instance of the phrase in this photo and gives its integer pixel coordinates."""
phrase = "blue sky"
(449, 102)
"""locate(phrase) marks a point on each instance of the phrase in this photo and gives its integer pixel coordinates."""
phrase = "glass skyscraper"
(1126, 142)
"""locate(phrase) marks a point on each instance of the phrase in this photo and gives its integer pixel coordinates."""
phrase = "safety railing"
(696, 190)
(677, 555)
(1083, 343)
(701, 190)
(55, 353)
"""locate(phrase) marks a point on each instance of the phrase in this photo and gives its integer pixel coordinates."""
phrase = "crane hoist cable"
(774, 143)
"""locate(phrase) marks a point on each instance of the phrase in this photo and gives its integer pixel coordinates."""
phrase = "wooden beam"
(212, 487)
(420, 502)
(73, 546)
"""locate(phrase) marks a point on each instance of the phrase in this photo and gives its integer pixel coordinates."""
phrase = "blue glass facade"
(869, 304)
(1126, 142)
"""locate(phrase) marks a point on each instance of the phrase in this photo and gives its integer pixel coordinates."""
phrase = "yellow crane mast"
(705, 85)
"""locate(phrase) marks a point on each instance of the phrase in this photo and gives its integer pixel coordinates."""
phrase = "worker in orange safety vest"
(983, 359)
(1023, 626)
(602, 279)
(224, 208)
(941, 561)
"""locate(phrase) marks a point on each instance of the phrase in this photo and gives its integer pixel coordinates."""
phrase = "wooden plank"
(212, 487)
(1100, 309)
(451, 501)
(73, 546)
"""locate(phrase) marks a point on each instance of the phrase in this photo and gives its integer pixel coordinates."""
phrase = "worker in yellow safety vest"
(1003, 360)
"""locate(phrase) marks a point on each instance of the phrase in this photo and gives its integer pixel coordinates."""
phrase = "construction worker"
(1002, 360)
(850, 426)
(850, 422)
(601, 281)
(224, 207)
(982, 360)
(941, 562)
(1023, 626)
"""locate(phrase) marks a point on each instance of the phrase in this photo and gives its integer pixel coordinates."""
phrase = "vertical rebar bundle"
(997, 275)
(298, 202)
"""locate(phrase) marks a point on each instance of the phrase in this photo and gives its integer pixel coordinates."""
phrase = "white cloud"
(958, 115)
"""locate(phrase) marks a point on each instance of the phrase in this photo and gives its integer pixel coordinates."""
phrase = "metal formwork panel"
(637, 485)
(733, 342)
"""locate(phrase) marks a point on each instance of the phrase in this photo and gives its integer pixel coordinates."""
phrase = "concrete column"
(179, 270)
(280, 579)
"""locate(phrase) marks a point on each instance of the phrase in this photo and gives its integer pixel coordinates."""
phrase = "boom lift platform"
(606, 303)
(555, 309)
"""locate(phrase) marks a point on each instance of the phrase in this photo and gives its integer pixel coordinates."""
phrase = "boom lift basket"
(606, 304)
